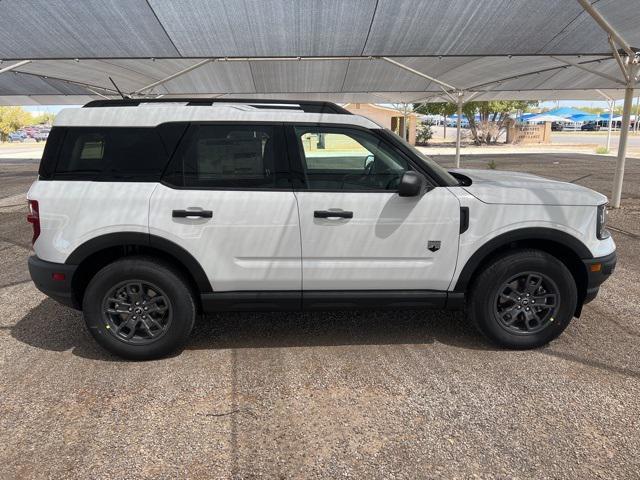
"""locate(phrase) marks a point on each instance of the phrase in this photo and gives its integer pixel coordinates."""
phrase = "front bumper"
(598, 270)
(55, 286)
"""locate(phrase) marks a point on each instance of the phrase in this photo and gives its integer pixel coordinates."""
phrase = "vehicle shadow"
(50, 326)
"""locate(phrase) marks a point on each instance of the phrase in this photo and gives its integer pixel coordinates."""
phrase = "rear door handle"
(192, 213)
(332, 214)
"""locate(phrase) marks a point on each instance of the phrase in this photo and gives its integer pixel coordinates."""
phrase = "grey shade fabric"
(86, 28)
(266, 27)
(499, 48)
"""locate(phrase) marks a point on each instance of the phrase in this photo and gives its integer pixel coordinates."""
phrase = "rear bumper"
(42, 274)
(598, 270)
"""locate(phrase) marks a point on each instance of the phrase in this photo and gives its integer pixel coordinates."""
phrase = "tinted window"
(229, 156)
(112, 154)
(348, 159)
(50, 154)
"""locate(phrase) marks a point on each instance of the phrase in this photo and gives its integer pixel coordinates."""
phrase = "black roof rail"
(307, 106)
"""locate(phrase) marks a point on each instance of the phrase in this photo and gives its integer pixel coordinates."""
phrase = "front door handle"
(332, 214)
(192, 213)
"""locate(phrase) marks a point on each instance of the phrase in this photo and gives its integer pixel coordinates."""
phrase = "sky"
(39, 109)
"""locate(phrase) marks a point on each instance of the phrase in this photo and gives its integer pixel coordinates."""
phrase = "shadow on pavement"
(50, 326)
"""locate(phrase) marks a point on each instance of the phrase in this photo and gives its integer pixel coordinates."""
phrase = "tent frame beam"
(619, 60)
(15, 65)
(589, 70)
(420, 74)
(606, 26)
(172, 76)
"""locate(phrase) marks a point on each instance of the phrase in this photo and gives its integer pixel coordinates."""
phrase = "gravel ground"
(324, 395)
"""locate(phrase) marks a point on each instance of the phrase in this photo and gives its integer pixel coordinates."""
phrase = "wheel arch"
(565, 247)
(97, 252)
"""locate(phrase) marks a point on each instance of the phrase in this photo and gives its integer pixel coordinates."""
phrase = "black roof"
(308, 106)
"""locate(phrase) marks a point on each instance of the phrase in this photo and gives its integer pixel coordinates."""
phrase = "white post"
(622, 143)
(609, 129)
(458, 129)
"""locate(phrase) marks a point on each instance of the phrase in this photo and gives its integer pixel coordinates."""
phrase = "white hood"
(492, 186)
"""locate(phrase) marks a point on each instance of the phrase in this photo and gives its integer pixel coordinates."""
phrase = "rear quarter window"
(111, 154)
(50, 154)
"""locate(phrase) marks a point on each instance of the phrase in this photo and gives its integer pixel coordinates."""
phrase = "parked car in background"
(16, 137)
(590, 127)
(42, 135)
(557, 127)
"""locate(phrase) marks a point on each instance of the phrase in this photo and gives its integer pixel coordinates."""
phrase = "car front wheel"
(139, 308)
(523, 299)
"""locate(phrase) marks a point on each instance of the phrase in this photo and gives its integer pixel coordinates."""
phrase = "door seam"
(300, 233)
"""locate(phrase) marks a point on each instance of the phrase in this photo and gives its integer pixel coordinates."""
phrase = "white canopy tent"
(366, 51)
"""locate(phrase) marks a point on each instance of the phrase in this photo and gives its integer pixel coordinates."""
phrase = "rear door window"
(230, 156)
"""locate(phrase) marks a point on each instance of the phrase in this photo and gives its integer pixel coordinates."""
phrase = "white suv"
(146, 213)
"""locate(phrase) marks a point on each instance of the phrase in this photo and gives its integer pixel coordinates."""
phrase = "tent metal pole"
(624, 134)
(453, 99)
(618, 58)
(420, 74)
(611, 102)
(97, 93)
(172, 76)
(458, 128)
(606, 26)
(589, 70)
(15, 65)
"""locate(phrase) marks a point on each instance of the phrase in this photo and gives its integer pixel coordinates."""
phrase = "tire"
(157, 325)
(503, 299)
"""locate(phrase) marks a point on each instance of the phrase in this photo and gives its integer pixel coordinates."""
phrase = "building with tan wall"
(387, 117)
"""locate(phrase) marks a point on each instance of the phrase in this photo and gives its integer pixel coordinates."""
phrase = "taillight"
(33, 217)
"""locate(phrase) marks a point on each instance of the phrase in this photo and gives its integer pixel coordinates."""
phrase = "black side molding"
(251, 301)
(524, 234)
(330, 300)
(120, 239)
(42, 274)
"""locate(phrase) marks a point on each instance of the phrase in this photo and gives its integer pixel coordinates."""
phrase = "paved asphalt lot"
(324, 395)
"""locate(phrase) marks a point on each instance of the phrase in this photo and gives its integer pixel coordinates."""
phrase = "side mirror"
(411, 184)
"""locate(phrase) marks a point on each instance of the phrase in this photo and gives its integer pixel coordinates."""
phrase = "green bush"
(424, 133)
(602, 150)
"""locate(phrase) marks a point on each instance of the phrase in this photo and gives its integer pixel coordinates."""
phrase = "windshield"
(437, 170)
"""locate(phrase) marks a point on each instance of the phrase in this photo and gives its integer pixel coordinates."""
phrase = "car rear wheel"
(139, 308)
(523, 299)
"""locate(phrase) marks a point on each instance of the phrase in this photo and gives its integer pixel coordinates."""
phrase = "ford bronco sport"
(148, 213)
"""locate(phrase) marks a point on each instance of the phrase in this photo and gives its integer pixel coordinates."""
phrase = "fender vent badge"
(433, 245)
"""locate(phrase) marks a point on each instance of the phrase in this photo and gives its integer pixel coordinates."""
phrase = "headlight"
(601, 225)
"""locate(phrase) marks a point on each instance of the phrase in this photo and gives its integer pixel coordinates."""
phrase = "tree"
(445, 109)
(44, 118)
(12, 119)
(493, 116)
